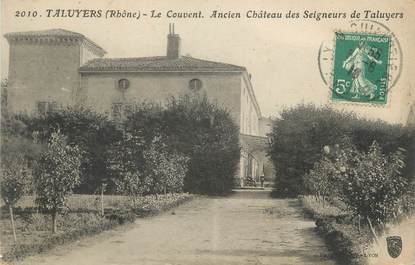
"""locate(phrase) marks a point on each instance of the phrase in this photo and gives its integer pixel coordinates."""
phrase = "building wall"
(249, 115)
(101, 89)
(265, 126)
(87, 53)
(46, 72)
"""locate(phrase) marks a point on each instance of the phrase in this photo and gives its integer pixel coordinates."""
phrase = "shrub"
(319, 180)
(197, 129)
(206, 134)
(371, 183)
(56, 174)
(139, 169)
(125, 163)
(164, 172)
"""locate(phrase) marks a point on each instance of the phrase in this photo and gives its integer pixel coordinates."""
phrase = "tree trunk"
(102, 199)
(372, 230)
(54, 226)
(358, 220)
(12, 221)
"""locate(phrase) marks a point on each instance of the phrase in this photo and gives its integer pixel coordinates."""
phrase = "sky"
(280, 54)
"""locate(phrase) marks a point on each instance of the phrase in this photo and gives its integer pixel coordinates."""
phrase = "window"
(123, 84)
(120, 110)
(117, 112)
(195, 84)
(45, 107)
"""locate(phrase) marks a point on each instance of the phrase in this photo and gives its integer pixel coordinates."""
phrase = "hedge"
(301, 132)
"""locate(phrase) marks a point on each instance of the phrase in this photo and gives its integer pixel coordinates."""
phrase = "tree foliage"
(15, 175)
(299, 135)
(370, 183)
(199, 130)
(141, 169)
(90, 131)
(56, 175)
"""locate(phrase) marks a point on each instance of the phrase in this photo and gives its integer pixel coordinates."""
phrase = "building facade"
(53, 68)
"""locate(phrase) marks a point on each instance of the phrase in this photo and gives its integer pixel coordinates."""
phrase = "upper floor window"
(195, 84)
(123, 84)
(45, 107)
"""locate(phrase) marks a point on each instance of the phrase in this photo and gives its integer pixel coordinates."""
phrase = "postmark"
(326, 64)
(361, 67)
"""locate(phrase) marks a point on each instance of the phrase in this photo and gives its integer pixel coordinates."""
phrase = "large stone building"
(56, 67)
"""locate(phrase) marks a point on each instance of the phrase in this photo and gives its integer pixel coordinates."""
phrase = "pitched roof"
(60, 33)
(157, 64)
(48, 32)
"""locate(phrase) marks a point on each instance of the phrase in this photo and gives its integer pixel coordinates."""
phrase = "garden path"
(246, 228)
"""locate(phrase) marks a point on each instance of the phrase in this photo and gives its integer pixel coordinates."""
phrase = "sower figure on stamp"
(356, 62)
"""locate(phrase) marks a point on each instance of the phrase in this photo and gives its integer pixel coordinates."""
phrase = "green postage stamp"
(361, 65)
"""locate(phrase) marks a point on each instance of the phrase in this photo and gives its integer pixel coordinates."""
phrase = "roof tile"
(157, 64)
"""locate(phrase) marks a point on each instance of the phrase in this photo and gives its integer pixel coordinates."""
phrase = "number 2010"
(23, 13)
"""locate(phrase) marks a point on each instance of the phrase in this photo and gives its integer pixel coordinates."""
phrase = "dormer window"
(195, 84)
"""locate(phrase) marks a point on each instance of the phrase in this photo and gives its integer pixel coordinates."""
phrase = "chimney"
(173, 43)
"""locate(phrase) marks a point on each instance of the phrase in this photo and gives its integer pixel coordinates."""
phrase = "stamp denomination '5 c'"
(360, 69)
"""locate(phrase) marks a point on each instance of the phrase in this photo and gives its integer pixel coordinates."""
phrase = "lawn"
(81, 217)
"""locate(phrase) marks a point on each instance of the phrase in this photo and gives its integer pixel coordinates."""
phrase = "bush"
(197, 129)
(138, 169)
(319, 180)
(299, 136)
(206, 134)
(371, 183)
(164, 172)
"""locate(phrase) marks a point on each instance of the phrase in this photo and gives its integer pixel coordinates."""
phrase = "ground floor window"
(120, 110)
(45, 107)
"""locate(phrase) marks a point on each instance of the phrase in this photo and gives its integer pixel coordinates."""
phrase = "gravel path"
(245, 228)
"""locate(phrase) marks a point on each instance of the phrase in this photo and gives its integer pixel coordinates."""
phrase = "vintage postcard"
(207, 132)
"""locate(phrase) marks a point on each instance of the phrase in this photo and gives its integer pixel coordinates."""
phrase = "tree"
(92, 132)
(56, 175)
(14, 181)
(17, 153)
